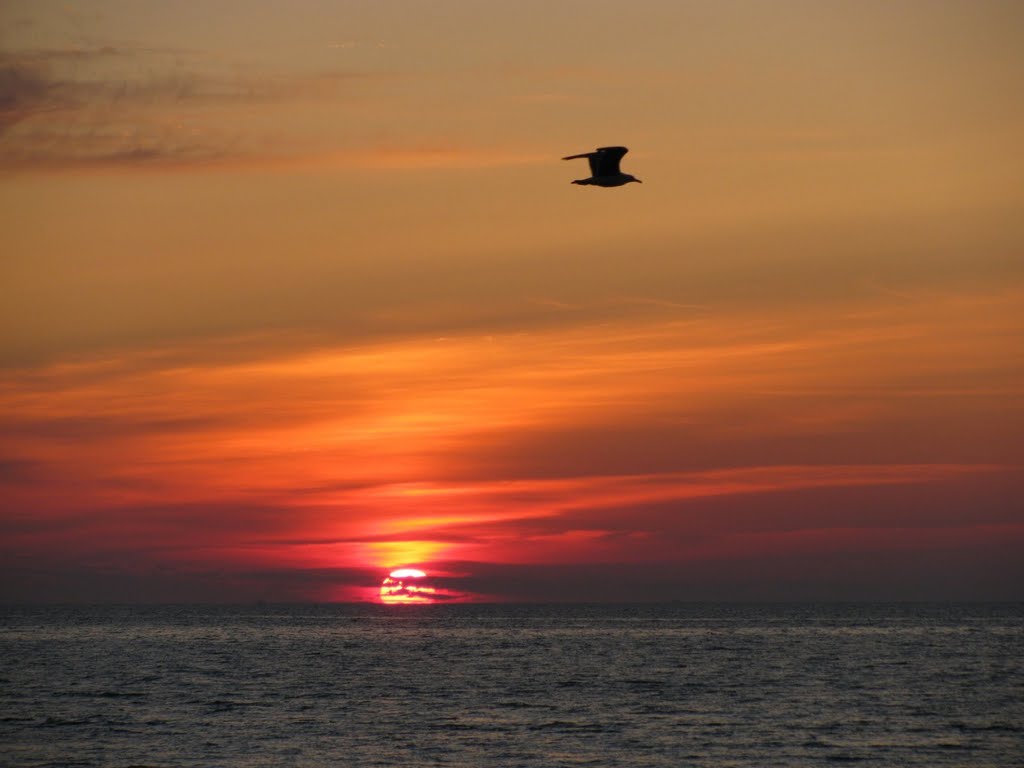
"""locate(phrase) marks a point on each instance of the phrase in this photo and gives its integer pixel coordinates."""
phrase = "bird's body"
(616, 180)
(604, 167)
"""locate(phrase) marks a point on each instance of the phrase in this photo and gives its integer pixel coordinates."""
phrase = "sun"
(406, 586)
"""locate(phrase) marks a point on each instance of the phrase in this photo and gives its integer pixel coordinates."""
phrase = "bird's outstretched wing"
(591, 158)
(604, 161)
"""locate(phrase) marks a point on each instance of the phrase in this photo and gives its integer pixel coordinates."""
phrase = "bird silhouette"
(604, 167)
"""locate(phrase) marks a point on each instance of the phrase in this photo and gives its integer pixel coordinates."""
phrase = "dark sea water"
(623, 685)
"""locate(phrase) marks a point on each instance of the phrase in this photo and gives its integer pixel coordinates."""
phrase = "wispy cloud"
(537, 519)
(123, 107)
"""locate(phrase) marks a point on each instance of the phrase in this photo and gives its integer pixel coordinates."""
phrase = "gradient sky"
(296, 293)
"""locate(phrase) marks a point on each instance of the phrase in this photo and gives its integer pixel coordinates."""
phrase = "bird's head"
(633, 178)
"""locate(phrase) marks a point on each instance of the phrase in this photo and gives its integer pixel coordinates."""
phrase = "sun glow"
(405, 586)
(392, 554)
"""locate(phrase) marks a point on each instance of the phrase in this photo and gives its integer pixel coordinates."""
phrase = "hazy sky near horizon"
(299, 292)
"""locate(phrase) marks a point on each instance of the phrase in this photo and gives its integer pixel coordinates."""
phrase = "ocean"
(513, 685)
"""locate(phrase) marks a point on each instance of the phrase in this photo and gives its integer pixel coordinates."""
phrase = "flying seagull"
(604, 167)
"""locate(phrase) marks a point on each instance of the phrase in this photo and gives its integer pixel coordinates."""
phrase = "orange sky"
(299, 293)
